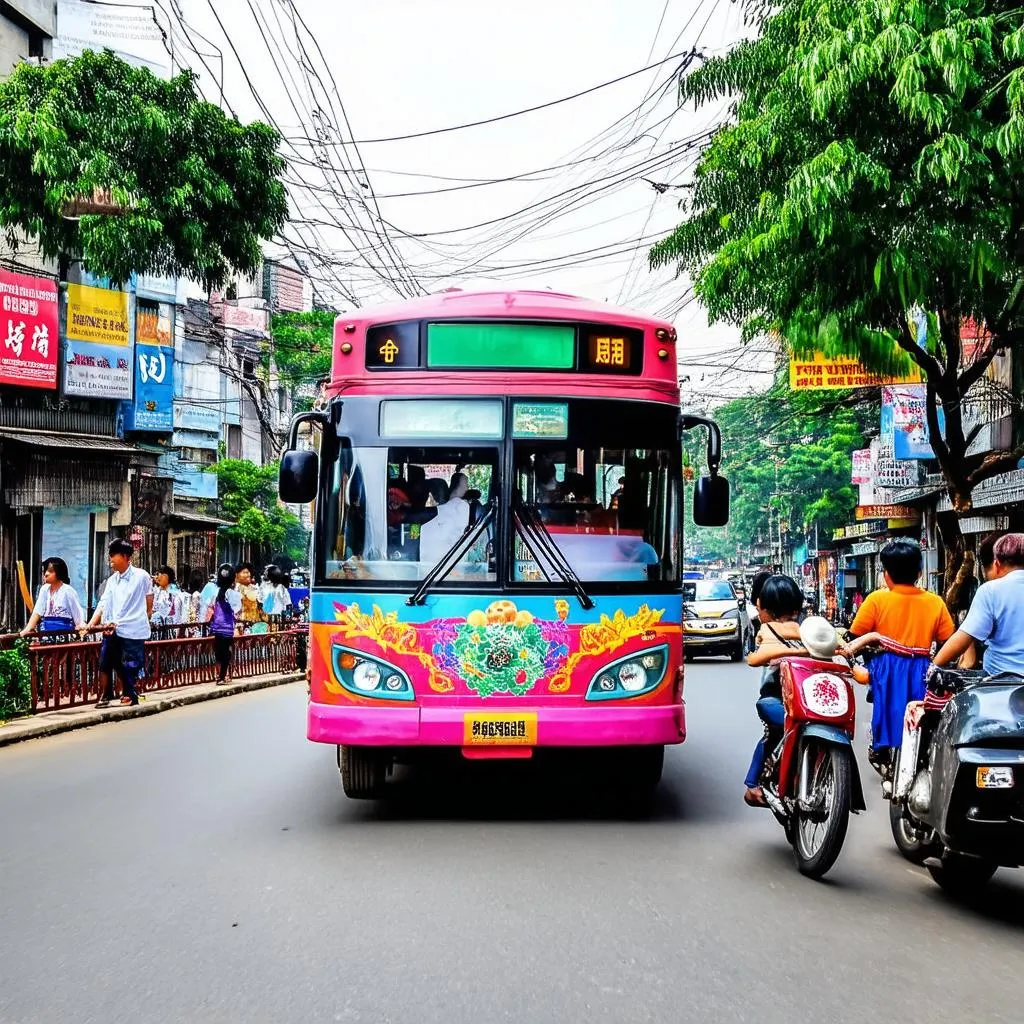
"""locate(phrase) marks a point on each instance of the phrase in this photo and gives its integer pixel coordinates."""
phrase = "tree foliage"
(248, 494)
(302, 347)
(872, 166)
(200, 188)
(790, 451)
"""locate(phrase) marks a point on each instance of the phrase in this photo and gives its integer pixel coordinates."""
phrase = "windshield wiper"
(454, 554)
(536, 534)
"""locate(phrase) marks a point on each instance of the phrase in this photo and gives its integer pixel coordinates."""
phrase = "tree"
(198, 190)
(249, 496)
(872, 166)
(302, 347)
(790, 452)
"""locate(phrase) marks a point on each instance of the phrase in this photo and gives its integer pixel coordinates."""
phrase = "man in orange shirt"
(906, 621)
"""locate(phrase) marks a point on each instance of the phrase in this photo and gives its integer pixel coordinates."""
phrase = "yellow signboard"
(97, 315)
(825, 373)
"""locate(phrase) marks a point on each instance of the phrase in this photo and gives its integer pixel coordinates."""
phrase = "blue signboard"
(152, 408)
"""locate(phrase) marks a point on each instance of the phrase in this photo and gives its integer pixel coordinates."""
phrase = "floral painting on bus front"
(372, 650)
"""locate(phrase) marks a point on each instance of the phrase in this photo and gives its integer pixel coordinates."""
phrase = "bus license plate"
(500, 730)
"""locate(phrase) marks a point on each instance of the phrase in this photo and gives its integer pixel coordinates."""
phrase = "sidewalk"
(49, 723)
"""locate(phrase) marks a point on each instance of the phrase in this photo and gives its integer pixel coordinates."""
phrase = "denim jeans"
(771, 711)
(126, 658)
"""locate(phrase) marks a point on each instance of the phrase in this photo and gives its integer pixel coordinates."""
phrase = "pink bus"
(497, 553)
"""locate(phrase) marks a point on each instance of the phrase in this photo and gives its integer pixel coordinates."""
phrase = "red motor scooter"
(810, 778)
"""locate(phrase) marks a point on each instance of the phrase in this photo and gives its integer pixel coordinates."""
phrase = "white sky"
(408, 66)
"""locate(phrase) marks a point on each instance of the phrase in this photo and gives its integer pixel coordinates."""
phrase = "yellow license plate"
(499, 729)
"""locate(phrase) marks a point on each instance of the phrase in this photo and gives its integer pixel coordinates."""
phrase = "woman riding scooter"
(954, 804)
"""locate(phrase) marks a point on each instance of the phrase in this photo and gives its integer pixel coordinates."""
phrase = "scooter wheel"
(962, 877)
(914, 849)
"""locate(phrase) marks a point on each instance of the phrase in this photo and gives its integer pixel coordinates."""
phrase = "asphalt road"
(203, 865)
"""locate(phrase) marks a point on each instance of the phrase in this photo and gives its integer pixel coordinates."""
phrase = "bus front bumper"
(445, 727)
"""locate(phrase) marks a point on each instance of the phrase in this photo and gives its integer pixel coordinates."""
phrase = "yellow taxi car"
(715, 620)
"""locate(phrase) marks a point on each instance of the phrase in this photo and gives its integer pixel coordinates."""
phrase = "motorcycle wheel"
(916, 850)
(962, 877)
(818, 838)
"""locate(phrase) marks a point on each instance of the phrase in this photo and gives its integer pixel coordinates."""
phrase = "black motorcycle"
(957, 803)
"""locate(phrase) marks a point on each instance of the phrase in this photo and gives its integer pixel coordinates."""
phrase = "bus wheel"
(643, 769)
(363, 771)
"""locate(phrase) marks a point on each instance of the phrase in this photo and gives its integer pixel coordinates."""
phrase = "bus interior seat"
(437, 489)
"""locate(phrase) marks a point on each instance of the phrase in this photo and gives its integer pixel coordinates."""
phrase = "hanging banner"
(906, 407)
(906, 512)
(98, 357)
(861, 466)
(28, 330)
(824, 373)
(153, 406)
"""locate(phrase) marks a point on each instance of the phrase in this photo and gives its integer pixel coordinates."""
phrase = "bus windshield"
(394, 512)
(610, 510)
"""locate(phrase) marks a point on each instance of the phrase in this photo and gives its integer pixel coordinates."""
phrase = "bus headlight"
(369, 677)
(630, 676)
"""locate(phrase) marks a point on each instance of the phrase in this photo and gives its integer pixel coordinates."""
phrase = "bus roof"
(653, 374)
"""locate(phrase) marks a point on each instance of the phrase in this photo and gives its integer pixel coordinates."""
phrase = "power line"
(525, 110)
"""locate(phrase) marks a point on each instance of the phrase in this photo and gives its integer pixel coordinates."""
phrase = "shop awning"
(92, 443)
(197, 521)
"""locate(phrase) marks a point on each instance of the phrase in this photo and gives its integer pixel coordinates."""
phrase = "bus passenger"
(441, 532)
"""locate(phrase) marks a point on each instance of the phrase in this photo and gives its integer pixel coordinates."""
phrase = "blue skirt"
(896, 680)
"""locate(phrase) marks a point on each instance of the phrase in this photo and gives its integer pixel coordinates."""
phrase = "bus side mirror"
(297, 480)
(711, 501)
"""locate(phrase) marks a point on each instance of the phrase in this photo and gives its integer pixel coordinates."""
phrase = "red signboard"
(28, 330)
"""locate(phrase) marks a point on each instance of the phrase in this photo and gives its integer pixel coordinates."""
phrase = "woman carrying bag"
(223, 618)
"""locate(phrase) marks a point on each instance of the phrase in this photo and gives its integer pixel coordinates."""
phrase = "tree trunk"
(960, 561)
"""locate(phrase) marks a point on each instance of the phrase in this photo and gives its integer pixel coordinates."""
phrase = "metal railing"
(65, 667)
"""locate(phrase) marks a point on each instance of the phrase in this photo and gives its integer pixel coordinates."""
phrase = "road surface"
(203, 865)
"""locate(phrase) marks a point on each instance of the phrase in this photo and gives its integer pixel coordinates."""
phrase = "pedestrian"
(57, 607)
(222, 615)
(167, 600)
(246, 584)
(206, 596)
(274, 597)
(196, 582)
(124, 610)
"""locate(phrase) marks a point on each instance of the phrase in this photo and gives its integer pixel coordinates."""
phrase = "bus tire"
(363, 771)
(644, 768)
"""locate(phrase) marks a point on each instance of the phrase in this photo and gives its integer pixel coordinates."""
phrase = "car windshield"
(708, 590)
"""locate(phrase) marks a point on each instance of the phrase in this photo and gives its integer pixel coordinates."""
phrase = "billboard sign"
(905, 421)
(861, 466)
(28, 330)
(826, 373)
(153, 407)
(129, 30)
(98, 348)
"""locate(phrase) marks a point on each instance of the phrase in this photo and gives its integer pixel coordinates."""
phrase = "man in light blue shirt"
(996, 617)
(124, 609)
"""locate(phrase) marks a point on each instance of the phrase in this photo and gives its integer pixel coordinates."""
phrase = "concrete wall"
(13, 45)
(41, 13)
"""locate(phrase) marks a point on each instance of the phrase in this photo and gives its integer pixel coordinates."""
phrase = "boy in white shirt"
(125, 610)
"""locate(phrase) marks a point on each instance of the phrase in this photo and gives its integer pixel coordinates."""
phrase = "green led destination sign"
(499, 346)
(505, 345)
